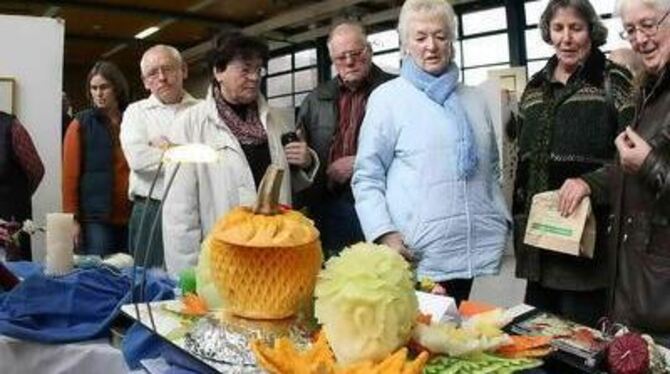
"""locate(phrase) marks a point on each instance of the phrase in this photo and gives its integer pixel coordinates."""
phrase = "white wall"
(31, 51)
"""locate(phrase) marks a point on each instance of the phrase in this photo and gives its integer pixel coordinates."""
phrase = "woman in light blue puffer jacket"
(426, 177)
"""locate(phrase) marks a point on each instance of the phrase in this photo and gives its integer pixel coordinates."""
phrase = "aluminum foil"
(223, 340)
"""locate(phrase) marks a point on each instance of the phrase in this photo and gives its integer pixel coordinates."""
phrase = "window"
(384, 41)
(614, 41)
(281, 102)
(533, 10)
(475, 76)
(495, 19)
(389, 62)
(385, 50)
(305, 58)
(536, 47)
(279, 85)
(478, 51)
(279, 64)
(291, 77)
(535, 66)
(604, 6)
(305, 80)
(484, 44)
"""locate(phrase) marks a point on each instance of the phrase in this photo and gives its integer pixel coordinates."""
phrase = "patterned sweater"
(566, 131)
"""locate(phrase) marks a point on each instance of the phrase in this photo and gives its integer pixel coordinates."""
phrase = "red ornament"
(628, 354)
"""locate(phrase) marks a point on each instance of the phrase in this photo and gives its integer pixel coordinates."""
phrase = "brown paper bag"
(547, 229)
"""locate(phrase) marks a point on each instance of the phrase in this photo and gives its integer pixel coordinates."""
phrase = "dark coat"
(573, 127)
(318, 117)
(640, 224)
(97, 170)
(15, 191)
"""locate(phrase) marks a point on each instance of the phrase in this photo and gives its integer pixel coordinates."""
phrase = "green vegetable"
(480, 363)
(187, 281)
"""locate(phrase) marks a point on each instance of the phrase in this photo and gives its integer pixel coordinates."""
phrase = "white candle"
(60, 248)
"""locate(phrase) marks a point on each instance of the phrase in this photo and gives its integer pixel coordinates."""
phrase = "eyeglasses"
(354, 55)
(248, 70)
(166, 70)
(647, 27)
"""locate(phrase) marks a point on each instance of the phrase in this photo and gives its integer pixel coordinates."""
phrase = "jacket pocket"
(635, 232)
(433, 215)
(659, 241)
(439, 202)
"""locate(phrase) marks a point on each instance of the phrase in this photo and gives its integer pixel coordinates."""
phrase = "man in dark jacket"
(21, 171)
(331, 117)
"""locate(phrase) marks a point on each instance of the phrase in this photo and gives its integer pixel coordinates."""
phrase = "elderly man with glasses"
(331, 117)
(144, 132)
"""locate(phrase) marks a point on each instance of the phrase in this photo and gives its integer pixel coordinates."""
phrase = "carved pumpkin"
(263, 261)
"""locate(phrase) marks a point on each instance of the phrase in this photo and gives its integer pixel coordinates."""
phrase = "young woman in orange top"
(95, 171)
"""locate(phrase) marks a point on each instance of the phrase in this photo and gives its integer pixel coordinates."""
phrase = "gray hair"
(436, 8)
(597, 31)
(344, 26)
(658, 4)
(170, 50)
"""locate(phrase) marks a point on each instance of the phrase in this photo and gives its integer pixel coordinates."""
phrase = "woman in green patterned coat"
(570, 114)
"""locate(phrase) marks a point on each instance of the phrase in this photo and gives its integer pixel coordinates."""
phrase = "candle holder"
(60, 248)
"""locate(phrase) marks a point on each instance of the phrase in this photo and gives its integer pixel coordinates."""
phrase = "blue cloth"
(183, 363)
(406, 180)
(78, 306)
(139, 342)
(440, 89)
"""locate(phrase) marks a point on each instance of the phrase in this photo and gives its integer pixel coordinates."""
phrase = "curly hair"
(438, 8)
(238, 46)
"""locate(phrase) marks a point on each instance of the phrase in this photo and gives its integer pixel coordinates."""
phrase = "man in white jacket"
(144, 136)
(236, 121)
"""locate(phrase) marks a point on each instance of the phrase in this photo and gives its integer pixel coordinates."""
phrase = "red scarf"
(247, 131)
(351, 105)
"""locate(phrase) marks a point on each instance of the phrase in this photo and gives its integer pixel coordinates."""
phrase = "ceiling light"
(146, 32)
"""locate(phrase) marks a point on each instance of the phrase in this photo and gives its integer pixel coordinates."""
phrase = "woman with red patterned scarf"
(236, 121)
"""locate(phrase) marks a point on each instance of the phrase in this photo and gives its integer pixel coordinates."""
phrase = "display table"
(20, 357)
(202, 339)
(181, 332)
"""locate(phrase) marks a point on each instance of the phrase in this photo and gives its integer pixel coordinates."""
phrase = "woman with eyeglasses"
(237, 122)
(95, 171)
(570, 113)
(638, 186)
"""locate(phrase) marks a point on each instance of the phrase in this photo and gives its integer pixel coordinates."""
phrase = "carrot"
(522, 343)
(194, 305)
(469, 308)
